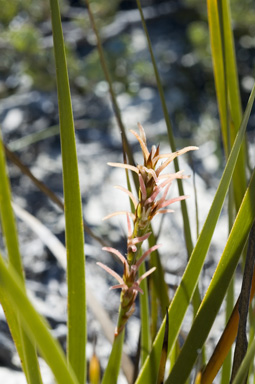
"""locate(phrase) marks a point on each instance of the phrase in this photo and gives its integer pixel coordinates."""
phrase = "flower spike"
(126, 166)
(119, 213)
(141, 260)
(111, 272)
(142, 133)
(152, 200)
(143, 145)
(130, 194)
(117, 253)
(145, 275)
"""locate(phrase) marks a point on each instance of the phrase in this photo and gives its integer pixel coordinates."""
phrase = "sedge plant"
(31, 332)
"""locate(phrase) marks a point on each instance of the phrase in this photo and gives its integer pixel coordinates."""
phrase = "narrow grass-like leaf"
(251, 338)
(239, 177)
(218, 66)
(154, 310)
(76, 338)
(226, 368)
(32, 138)
(226, 82)
(174, 353)
(25, 348)
(26, 171)
(36, 327)
(230, 57)
(163, 357)
(217, 289)
(180, 302)
(12, 321)
(7, 217)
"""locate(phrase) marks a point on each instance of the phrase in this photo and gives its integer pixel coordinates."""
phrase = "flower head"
(152, 200)
(153, 184)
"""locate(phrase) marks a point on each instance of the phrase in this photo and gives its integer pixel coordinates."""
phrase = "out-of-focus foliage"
(24, 39)
(23, 54)
(26, 42)
(38, 11)
(127, 70)
(199, 37)
(26, 45)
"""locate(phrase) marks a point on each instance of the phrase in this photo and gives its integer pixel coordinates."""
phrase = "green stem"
(115, 105)
(145, 317)
(112, 370)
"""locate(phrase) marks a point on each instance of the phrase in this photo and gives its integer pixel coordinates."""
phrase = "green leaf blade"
(26, 350)
(234, 97)
(77, 334)
(218, 66)
(227, 88)
(36, 327)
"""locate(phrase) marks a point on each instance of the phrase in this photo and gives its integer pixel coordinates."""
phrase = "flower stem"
(145, 316)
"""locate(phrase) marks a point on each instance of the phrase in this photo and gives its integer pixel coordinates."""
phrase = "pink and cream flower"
(152, 200)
